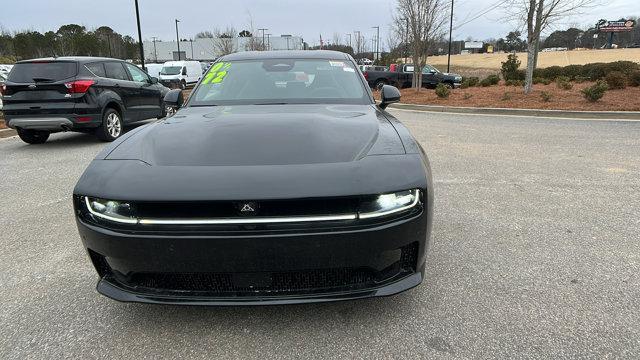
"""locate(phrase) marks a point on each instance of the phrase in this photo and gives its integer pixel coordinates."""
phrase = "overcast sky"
(306, 18)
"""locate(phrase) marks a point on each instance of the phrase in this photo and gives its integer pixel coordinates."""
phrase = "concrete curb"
(622, 115)
(5, 133)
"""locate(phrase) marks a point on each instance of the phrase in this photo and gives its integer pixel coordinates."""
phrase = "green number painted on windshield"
(217, 73)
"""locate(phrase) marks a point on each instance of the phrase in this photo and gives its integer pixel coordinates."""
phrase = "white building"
(205, 49)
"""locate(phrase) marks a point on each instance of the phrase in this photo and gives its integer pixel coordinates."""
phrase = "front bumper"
(259, 267)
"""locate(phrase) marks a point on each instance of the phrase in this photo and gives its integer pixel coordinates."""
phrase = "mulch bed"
(502, 96)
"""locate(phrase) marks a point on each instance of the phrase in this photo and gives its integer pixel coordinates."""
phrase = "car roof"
(81, 59)
(287, 54)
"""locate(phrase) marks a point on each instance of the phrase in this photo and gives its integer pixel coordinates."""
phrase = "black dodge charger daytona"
(280, 180)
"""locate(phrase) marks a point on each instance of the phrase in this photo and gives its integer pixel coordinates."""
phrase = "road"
(536, 255)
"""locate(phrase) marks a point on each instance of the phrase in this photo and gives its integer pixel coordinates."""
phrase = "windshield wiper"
(39, 79)
(272, 103)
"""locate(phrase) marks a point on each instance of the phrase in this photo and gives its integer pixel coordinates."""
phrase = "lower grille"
(270, 283)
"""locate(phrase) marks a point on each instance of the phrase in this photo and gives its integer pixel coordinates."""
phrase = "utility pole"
(140, 37)
(406, 49)
(450, 34)
(269, 41)
(377, 42)
(191, 41)
(155, 51)
(178, 40)
(263, 30)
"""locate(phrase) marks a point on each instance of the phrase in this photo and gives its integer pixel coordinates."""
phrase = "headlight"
(117, 211)
(387, 204)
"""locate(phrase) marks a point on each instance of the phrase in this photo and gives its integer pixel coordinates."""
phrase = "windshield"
(171, 70)
(281, 81)
(428, 69)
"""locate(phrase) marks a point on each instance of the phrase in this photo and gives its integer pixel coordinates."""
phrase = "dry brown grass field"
(545, 59)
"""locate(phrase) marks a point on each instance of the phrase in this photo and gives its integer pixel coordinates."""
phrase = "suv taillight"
(366, 75)
(79, 86)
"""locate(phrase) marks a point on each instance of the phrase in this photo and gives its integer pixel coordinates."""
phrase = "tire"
(183, 85)
(111, 127)
(449, 85)
(33, 136)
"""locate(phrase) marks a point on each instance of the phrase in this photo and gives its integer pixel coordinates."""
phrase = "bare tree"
(426, 20)
(336, 40)
(537, 15)
(253, 43)
(224, 42)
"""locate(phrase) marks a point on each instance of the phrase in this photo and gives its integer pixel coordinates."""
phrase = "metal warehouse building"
(205, 49)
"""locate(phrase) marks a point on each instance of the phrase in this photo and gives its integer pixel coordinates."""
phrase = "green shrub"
(625, 67)
(485, 82)
(469, 82)
(564, 83)
(443, 91)
(595, 92)
(495, 79)
(580, 79)
(616, 80)
(572, 71)
(594, 71)
(544, 81)
(634, 78)
(506, 96)
(510, 68)
(546, 97)
(474, 81)
(514, 82)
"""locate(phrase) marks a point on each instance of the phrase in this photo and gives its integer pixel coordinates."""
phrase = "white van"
(180, 73)
(154, 70)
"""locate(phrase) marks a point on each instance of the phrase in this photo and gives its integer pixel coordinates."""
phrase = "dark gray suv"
(84, 94)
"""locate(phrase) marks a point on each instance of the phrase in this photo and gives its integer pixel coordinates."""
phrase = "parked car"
(180, 74)
(279, 181)
(401, 76)
(84, 94)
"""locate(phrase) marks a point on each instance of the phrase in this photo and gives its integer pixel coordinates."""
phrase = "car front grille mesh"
(271, 283)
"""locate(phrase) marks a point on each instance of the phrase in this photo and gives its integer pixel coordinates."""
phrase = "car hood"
(263, 135)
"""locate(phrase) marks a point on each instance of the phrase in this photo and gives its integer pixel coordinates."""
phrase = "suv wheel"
(111, 127)
(33, 136)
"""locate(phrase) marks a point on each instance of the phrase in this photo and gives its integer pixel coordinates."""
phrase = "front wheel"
(33, 136)
(449, 85)
(111, 127)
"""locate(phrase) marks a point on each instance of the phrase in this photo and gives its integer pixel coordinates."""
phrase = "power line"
(482, 13)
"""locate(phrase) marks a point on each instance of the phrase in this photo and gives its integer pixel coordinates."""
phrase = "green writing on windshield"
(216, 73)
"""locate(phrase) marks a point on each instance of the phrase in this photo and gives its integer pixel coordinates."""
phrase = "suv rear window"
(46, 71)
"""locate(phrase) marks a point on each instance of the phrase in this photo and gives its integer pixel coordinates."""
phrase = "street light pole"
(155, 51)
(178, 40)
(140, 36)
(450, 34)
(377, 42)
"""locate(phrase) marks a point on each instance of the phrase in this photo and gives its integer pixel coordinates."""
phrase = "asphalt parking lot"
(536, 255)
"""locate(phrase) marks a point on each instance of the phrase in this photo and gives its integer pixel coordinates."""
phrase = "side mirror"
(389, 95)
(153, 80)
(184, 71)
(174, 99)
